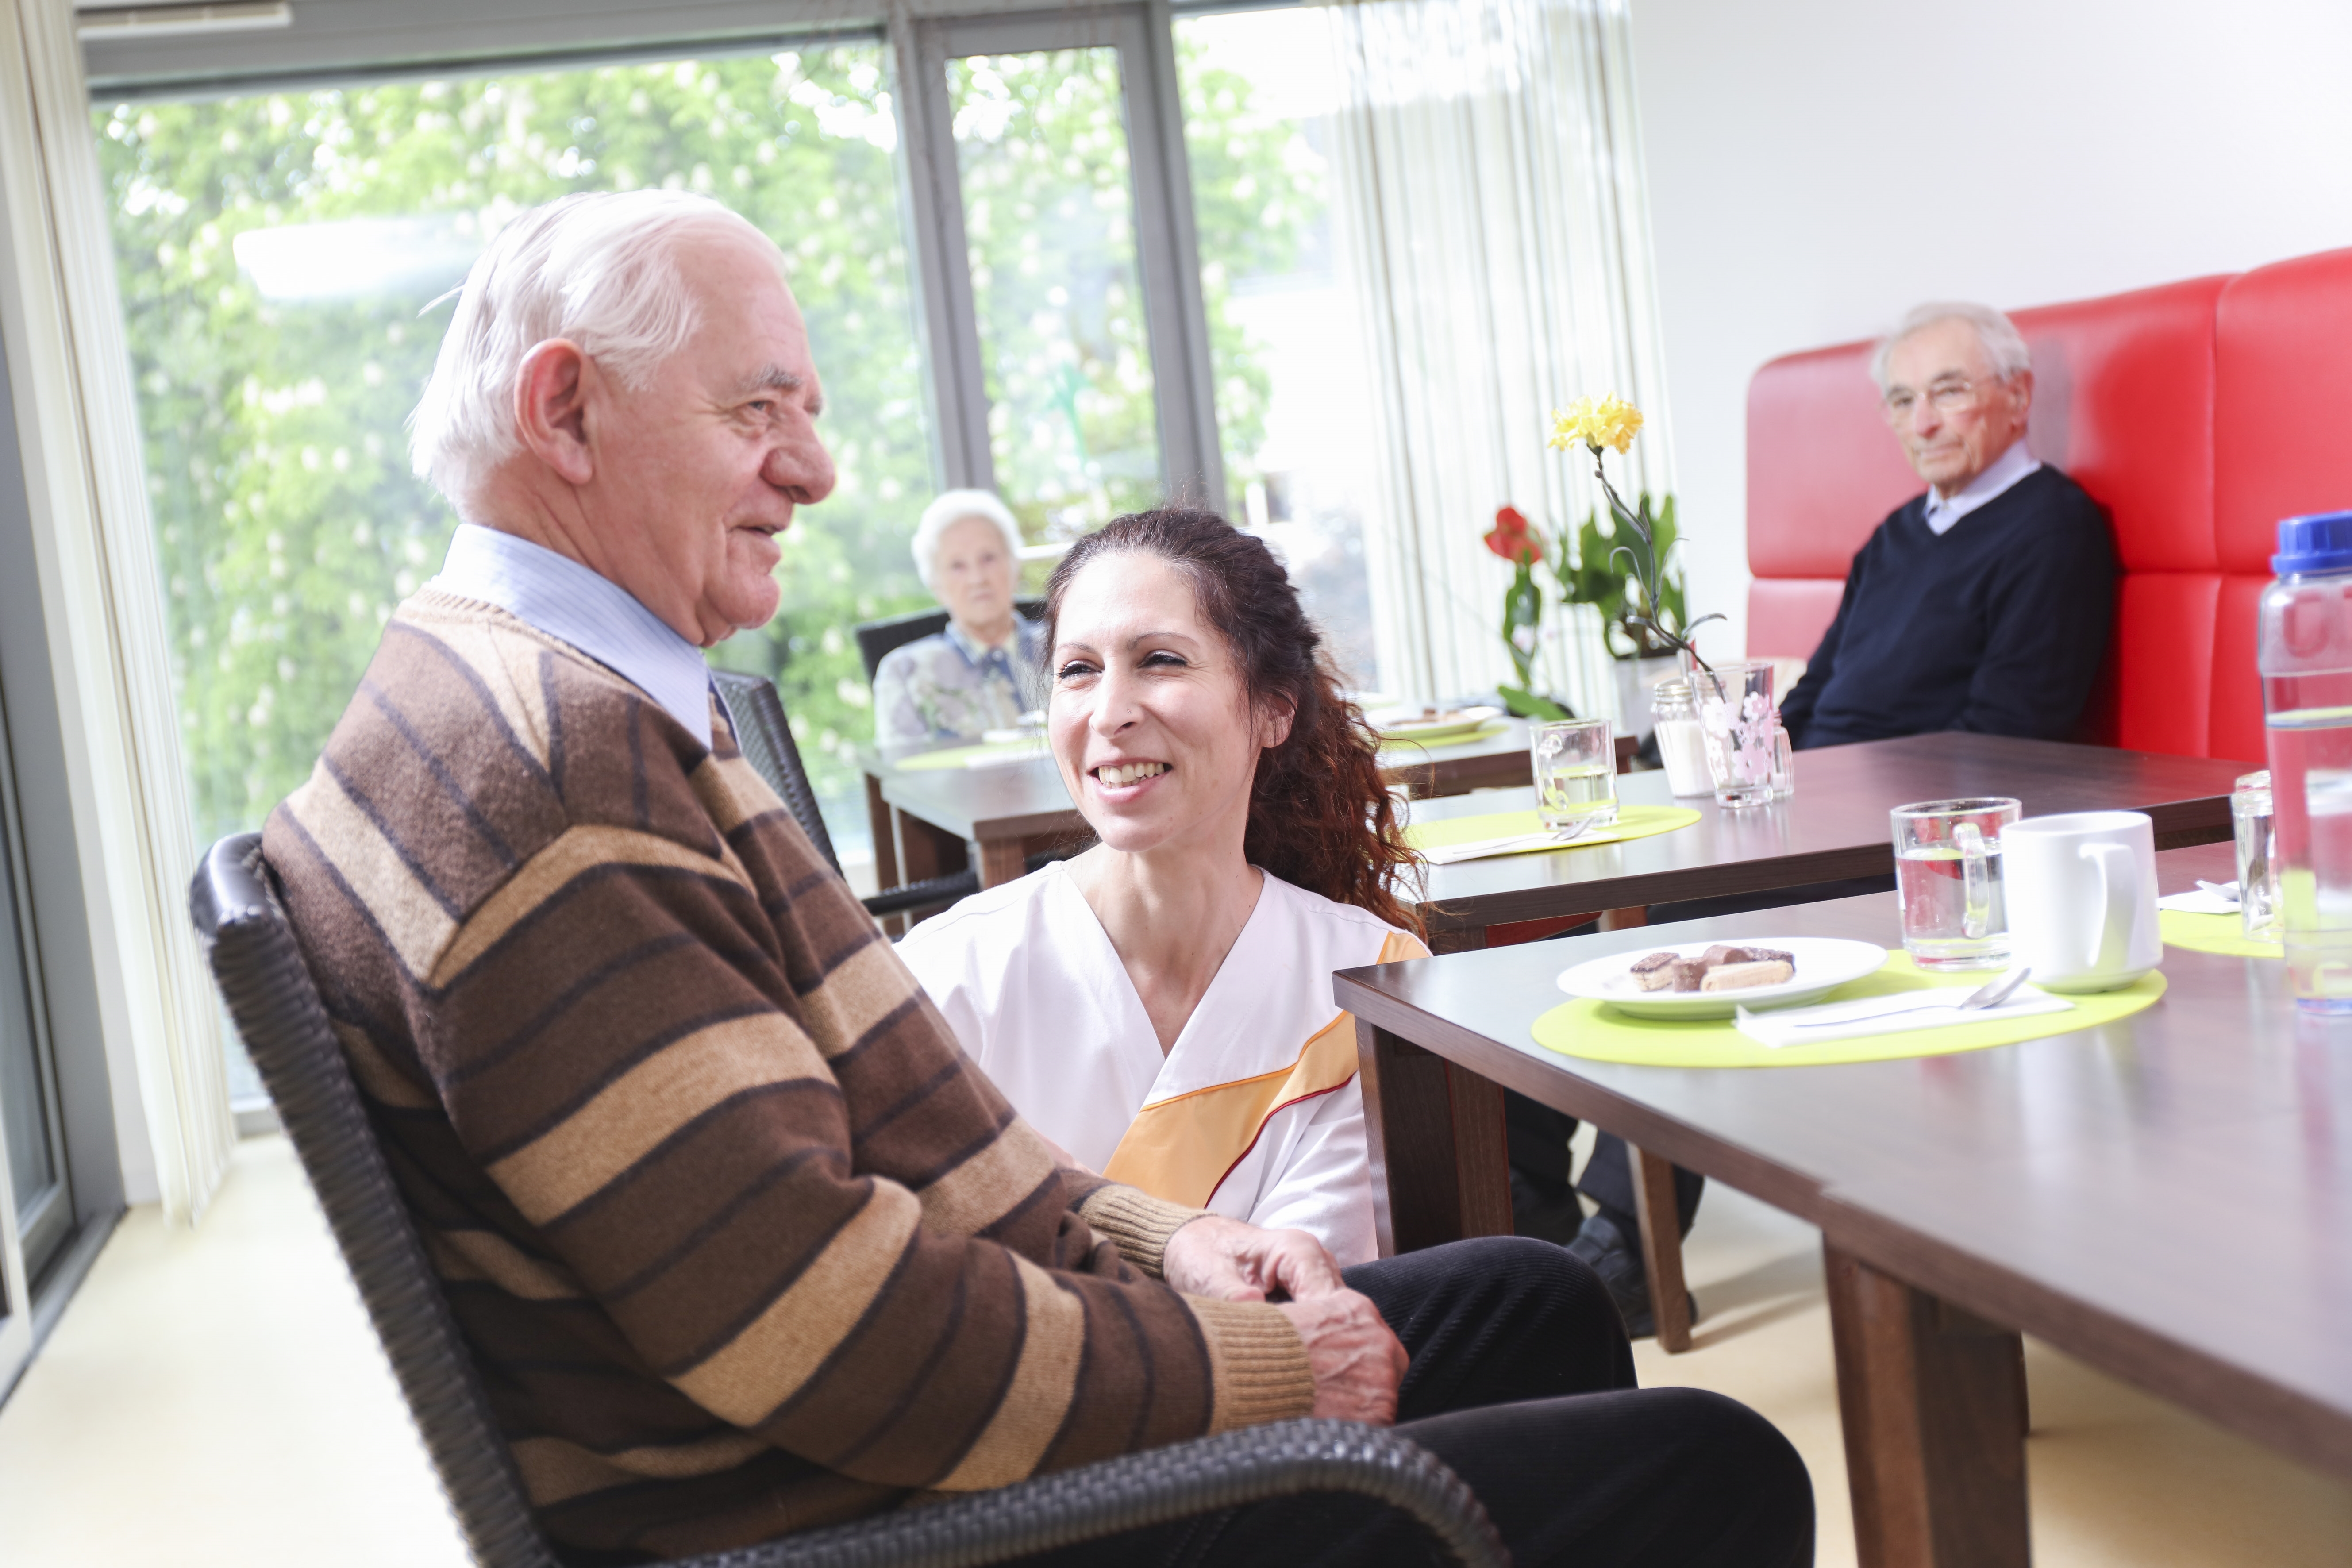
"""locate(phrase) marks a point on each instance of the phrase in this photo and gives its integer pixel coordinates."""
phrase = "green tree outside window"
(275, 252)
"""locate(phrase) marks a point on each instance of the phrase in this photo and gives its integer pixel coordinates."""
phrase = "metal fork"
(1992, 994)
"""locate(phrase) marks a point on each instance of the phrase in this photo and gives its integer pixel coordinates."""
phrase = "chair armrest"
(931, 891)
(1287, 1459)
(955, 885)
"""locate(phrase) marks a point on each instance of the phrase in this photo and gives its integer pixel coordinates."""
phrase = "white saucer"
(1823, 963)
(1457, 726)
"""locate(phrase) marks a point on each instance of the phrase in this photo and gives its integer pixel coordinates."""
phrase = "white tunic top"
(1254, 1112)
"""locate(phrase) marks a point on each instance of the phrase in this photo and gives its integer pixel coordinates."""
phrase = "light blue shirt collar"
(556, 595)
(1999, 474)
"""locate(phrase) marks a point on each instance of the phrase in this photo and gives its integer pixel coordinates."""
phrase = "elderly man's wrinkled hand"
(1233, 1261)
(1356, 1358)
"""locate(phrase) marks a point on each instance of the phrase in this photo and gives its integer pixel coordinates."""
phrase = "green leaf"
(1526, 704)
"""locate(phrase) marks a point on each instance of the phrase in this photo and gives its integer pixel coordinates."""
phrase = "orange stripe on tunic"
(1181, 1148)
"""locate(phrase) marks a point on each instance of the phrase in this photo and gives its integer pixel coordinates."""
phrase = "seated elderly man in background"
(742, 1243)
(1982, 605)
(987, 667)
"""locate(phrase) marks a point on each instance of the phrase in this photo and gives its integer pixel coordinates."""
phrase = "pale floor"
(216, 1398)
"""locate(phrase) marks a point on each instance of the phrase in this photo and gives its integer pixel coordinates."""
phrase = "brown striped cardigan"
(740, 1241)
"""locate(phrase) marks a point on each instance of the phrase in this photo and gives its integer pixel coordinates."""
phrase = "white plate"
(1823, 963)
(1425, 730)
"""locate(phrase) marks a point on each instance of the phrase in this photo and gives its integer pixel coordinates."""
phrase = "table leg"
(925, 851)
(885, 838)
(1929, 1396)
(1440, 1167)
(1002, 860)
(1661, 1248)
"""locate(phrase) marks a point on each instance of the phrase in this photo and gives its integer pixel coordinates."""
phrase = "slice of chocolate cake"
(1654, 972)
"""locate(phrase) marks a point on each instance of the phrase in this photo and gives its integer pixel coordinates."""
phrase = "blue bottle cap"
(2319, 543)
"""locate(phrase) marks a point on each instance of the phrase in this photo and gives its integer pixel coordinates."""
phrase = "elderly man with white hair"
(987, 667)
(740, 1241)
(1984, 604)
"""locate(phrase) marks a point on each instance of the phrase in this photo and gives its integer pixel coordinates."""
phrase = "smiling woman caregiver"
(1161, 1005)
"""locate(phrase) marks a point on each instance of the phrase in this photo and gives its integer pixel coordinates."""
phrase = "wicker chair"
(278, 1011)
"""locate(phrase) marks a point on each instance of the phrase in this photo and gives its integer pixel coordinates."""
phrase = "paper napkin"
(1783, 1026)
(1479, 848)
(2199, 901)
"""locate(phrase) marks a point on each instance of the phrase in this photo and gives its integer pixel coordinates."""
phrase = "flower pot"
(1637, 684)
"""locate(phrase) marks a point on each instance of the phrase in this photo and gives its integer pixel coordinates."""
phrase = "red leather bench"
(2198, 413)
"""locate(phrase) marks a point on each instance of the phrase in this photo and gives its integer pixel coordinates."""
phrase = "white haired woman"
(987, 667)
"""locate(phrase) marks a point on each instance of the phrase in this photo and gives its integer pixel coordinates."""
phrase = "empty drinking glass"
(2258, 882)
(1575, 763)
(1784, 764)
(1947, 880)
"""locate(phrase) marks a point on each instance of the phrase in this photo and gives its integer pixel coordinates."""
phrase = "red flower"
(1514, 539)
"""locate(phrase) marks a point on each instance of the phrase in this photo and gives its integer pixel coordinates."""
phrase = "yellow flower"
(1596, 422)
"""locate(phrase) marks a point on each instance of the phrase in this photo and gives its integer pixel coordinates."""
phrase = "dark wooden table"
(931, 821)
(2167, 1197)
(1834, 827)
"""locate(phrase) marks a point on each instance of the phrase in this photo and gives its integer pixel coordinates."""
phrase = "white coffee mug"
(2081, 899)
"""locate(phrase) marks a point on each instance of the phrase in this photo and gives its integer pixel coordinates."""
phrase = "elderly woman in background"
(1161, 1006)
(987, 667)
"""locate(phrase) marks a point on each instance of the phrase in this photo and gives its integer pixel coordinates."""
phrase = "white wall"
(1816, 166)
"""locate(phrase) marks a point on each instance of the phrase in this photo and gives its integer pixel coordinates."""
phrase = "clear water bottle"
(2306, 664)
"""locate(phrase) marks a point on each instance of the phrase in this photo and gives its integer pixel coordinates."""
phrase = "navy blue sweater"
(1998, 626)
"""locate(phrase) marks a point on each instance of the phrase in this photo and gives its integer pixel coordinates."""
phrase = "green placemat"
(1632, 822)
(964, 756)
(1598, 1032)
(1490, 729)
(2221, 935)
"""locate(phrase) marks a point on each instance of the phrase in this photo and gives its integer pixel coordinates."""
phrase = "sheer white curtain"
(1491, 223)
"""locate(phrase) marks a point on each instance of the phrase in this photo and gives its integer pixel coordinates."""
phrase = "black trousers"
(1538, 1139)
(1522, 1381)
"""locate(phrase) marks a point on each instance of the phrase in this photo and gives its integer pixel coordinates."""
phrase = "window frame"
(1167, 250)
(332, 42)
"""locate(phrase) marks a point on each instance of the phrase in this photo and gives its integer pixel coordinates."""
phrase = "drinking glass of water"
(1947, 880)
(1575, 763)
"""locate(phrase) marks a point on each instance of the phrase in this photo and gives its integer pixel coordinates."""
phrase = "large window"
(1042, 158)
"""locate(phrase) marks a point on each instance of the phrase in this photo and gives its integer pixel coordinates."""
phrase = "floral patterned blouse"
(948, 687)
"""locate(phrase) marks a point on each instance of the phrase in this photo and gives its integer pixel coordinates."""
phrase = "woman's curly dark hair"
(1320, 816)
